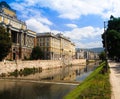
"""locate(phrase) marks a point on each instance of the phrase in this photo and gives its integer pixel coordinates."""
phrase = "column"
(21, 42)
(20, 46)
(17, 38)
(20, 39)
(24, 39)
(9, 31)
(3, 19)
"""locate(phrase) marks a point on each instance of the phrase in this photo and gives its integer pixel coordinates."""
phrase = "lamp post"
(105, 38)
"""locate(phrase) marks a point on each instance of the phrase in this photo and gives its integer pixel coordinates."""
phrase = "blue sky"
(81, 20)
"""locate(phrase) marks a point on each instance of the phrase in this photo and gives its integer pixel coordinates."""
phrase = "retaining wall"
(10, 66)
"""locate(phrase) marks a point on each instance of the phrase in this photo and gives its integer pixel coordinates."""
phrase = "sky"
(80, 20)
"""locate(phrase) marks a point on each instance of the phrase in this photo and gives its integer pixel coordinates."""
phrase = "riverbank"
(11, 66)
(95, 86)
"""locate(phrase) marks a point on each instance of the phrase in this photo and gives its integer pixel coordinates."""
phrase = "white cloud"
(73, 9)
(37, 26)
(85, 37)
(84, 33)
(17, 6)
(89, 44)
(56, 31)
(71, 25)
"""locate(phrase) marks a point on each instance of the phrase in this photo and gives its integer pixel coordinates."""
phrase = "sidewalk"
(115, 79)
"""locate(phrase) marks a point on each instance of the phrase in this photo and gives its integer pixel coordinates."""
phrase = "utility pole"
(105, 38)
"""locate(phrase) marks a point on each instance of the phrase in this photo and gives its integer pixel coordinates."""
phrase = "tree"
(112, 36)
(36, 53)
(102, 56)
(5, 43)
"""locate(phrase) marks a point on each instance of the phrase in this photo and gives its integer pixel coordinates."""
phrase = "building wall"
(67, 47)
(9, 12)
(55, 46)
(50, 45)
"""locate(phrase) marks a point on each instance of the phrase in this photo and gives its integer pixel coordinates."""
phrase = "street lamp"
(105, 38)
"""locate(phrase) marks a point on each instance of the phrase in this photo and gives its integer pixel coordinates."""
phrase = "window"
(47, 39)
(40, 44)
(47, 44)
(47, 49)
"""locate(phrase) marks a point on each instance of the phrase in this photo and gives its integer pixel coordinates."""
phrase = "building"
(80, 54)
(23, 40)
(86, 54)
(55, 46)
(67, 48)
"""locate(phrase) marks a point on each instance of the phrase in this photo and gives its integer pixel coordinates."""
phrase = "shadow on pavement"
(116, 68)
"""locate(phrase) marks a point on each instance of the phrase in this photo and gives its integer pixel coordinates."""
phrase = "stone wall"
(10, 66)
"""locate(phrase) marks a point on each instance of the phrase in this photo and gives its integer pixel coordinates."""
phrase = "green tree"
(36, 53)
(112, 36)
(102, 56)
(5, 43)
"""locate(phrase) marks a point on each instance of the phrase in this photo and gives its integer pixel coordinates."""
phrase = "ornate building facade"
(55, 46)
(23, 40)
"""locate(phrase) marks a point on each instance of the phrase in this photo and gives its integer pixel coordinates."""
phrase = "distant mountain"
(97, 50)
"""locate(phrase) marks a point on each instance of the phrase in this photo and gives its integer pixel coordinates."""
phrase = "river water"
(27, 90)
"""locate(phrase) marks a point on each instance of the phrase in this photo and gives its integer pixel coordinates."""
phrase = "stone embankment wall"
(10, 66)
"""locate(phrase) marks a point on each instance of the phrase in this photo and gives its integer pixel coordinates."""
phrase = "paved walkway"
(115, 79)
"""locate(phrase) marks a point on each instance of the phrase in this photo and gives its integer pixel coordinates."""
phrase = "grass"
(95, 86)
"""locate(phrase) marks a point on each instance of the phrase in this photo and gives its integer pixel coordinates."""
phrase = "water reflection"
(87, 70)
(68, 73)
(63, 73)
(20, 90)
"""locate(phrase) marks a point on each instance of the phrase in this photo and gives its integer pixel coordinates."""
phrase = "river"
(28, 90)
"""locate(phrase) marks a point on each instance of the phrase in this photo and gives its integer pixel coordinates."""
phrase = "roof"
(4, 4)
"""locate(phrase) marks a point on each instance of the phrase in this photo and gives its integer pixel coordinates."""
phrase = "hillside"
(96, 50)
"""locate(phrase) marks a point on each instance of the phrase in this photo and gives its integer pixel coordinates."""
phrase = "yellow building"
(67, 48)
(55, 46)
(23, 40)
